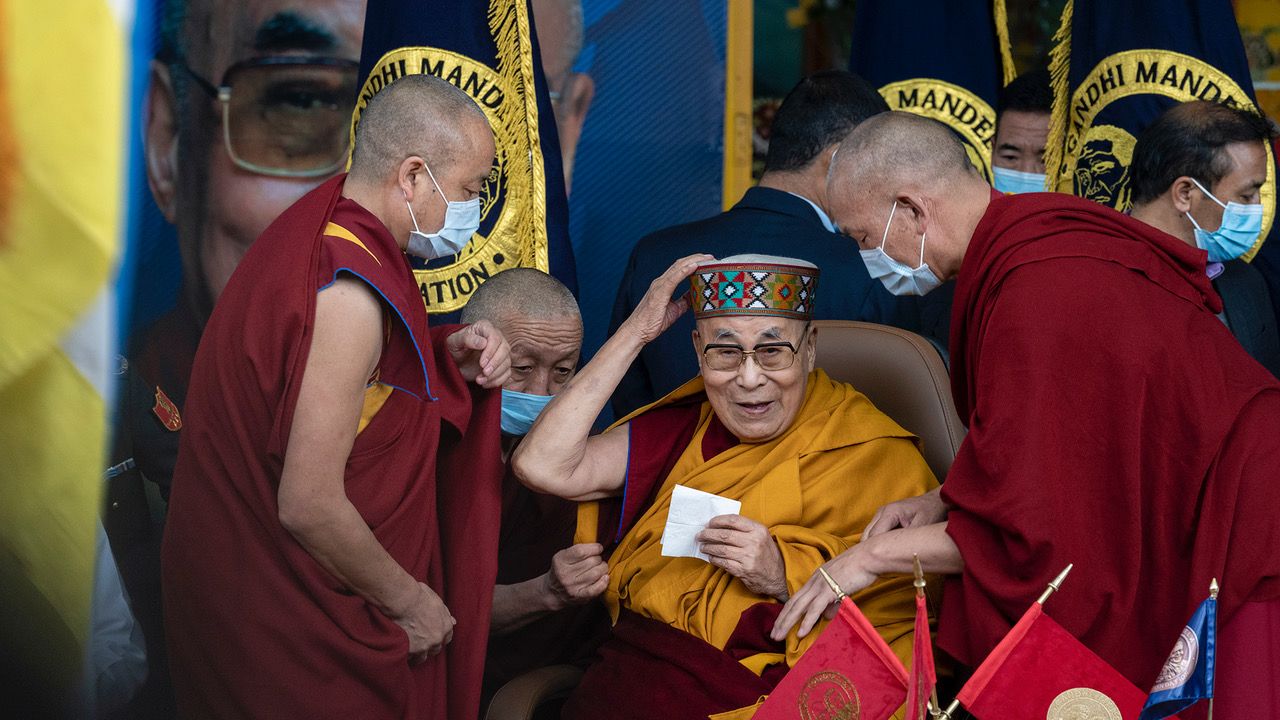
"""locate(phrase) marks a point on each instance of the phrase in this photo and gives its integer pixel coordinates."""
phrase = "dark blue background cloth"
(949, 40)
(766, 221)
(651, 153)
(462, 26)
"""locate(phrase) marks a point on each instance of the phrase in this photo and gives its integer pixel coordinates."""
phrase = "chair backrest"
(903, 375)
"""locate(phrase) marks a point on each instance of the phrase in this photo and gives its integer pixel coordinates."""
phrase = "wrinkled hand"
(744, 548)
(657, 310)
(918, 511)
(816, 597)
(428, 624)
(578, 573)
(481, 354)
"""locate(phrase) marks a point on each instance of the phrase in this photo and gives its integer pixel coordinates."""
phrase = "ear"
(409, 174)
(1181, 193)
(822, 163)
(915, 210)
(810, 350)
(697, 348)
(579, 91)
(160, 140)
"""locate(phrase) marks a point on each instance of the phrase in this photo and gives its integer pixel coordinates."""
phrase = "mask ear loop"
(885, 238)
(922, 236)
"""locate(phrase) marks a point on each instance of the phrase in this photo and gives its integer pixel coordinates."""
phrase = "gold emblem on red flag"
(167, 412)
(1083, 704)
(829, 695)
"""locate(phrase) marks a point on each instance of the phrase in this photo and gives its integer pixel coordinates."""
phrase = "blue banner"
(938, 58)
(489, 49)
(1117, 65)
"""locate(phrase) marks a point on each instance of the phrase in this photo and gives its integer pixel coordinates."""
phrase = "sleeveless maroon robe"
(1114, 423)
(256, 628)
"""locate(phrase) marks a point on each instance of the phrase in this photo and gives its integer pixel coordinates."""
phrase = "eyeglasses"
(768, 356)
(287, 116)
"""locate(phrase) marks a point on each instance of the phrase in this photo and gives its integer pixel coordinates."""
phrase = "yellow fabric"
(375, 396)
(336, 230)
(63, 89)
(815, 488)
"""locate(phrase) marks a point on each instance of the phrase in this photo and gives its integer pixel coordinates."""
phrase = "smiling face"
(756, 405)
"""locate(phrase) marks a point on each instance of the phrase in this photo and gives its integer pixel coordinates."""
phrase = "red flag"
(849, 672)
(1040, 670)
(923, 676)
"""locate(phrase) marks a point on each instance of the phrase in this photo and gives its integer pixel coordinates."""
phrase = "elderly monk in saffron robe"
(809, 458)
(1114, 422)
(331, 543)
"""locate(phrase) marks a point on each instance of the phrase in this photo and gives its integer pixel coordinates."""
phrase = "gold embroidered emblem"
(1083, 704)
(513, 200)
(966, 113)
(1182, 661)
(829, 695)
(167, 412)
(1092, 160)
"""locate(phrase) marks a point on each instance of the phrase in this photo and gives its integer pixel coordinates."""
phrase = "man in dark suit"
(783, 215)
(1196, 174)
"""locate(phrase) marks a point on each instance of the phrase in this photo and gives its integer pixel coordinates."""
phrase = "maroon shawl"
(1114, 423)
(256, 628)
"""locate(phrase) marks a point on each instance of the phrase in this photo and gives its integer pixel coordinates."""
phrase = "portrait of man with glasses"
(809, 459)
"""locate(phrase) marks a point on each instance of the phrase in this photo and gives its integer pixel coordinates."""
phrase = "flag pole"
(1213, 595)
(935, 707)
(1055, 584)
(1050, 590)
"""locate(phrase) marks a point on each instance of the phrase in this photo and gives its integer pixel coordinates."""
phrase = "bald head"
(540, 319)
(899, 148)
(416, 115)
(905, 183)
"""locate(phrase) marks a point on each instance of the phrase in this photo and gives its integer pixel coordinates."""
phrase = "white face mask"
(461, 221)
(898, 278)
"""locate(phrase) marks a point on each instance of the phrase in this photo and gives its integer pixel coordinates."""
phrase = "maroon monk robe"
(1114, 423)
(256, 627)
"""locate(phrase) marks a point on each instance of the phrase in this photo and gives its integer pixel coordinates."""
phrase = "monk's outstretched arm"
(313, 504)
(558, 456)
(859, 566)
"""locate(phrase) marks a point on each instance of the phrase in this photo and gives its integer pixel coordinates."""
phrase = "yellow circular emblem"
(969, 115)
(1083, 704)
(514, 189)
(1095, 161)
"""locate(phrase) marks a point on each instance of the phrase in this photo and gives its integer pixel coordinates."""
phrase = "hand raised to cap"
(657, 311)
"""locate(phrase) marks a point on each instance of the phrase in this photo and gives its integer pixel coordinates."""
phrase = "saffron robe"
(1114, 423)
(256, 627)
(815, 488)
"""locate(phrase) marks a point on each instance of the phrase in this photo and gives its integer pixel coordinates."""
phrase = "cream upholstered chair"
(903, 375)
(899, 371)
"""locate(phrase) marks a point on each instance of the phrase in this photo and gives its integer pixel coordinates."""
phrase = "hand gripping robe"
(256, 627)
(690, 639)
(1114, 423)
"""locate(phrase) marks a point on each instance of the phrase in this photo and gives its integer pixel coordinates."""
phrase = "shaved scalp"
(520, 292)
(415, 115)
(898, 149)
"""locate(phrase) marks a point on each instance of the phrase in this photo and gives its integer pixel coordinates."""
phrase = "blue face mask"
(1241, 225)
(1013, 182)
(519, 410)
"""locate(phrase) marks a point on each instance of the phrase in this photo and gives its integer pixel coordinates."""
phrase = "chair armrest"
(518, 699)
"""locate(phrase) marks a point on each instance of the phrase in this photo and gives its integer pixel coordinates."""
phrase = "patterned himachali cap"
(754, 285)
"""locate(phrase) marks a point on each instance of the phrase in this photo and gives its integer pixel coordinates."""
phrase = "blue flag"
(489, 49)
(1116, 65)
(1187, 676)
(943, 59)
